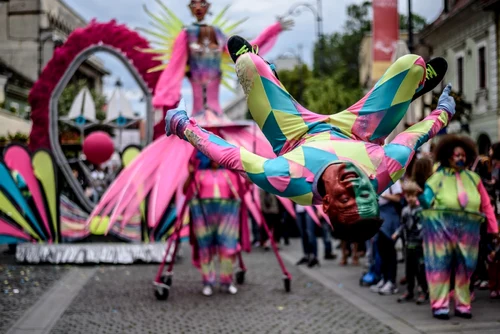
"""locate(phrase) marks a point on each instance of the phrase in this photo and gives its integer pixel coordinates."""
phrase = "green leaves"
(324, 95)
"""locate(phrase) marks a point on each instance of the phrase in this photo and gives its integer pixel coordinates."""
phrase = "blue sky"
(260, 13)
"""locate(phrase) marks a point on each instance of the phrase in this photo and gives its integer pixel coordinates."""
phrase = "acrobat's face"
(199, 9)
(350, 202)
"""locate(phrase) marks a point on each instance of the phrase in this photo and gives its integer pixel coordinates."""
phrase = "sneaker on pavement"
(422, 298)
(207, 291)
(330, 256)
(406, 297)
(376, 288)
(388, 289)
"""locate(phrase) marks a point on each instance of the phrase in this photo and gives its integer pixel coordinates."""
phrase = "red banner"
(385, 34)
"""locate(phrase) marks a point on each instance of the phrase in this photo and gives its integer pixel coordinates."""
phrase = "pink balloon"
(98, 147)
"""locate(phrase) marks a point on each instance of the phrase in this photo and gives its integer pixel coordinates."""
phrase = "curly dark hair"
(446, 145)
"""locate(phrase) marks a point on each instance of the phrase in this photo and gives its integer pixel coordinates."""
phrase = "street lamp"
(296, 9)
(317, 11)
(410, 28)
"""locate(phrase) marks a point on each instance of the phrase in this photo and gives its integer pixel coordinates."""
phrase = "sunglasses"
(195, 3)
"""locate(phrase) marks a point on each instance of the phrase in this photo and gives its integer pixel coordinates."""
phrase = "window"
(482, 67)
(460, 74)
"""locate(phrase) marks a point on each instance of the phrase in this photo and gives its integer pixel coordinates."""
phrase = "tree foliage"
(333, 84)
(71, 91)
(66, 100)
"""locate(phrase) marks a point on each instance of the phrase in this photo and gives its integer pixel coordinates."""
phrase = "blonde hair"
(411, 188)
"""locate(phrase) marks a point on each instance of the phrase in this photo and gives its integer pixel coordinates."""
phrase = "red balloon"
(98, 147)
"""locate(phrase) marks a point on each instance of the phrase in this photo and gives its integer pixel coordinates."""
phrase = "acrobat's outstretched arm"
(401, 150)
(267, 38)
(238, 159)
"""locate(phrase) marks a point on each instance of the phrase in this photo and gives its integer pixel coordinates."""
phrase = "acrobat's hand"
(286, 24)
(176, 120)
(447, 102)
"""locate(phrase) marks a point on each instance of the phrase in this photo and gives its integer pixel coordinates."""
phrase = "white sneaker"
(388, 289)
(207, 290)
(231, 289)
(376, 288)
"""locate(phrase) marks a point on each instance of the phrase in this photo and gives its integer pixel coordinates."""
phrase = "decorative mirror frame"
(54, 115)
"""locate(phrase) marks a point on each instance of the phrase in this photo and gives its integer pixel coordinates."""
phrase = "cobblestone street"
(119, 299)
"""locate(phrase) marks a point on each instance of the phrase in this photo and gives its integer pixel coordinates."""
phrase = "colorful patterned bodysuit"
(452, 233)
(306, 143)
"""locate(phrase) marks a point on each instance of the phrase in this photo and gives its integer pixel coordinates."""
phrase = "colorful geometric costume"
(307, 143)
(205, 63)
(215, 219)
(458, 201)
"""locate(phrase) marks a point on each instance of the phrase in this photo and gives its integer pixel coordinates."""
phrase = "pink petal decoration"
(18, 159)
(8, 229)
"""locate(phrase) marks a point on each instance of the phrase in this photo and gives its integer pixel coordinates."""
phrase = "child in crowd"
(412, 229)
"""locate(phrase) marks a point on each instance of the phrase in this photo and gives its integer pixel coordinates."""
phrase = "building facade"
(30, 31)
(466, 36)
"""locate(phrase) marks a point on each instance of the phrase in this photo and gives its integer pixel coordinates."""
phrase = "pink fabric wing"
(170, 174)
(168, 88)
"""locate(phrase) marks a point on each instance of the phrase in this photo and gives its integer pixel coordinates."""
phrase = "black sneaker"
(330, 256)
(304, 260)
(436, 70)
(313, 263)
(463, 315)
(238, 46)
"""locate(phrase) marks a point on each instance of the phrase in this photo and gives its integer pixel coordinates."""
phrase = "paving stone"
(120, 299)
(21, 286)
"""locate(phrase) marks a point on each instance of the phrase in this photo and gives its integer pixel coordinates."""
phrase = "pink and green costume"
(306, 143)
(204, 68)
(457, 204)
(215, 219)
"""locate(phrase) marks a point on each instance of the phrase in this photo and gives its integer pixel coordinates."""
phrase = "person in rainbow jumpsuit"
(456, 202)
(336, 161)
(215, 218)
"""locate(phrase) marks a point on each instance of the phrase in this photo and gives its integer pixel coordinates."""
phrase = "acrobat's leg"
(283, 120)
(377, 114)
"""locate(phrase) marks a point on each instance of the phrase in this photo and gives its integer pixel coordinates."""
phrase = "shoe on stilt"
(231, 289)
(441, 316)
(207, 291)
(304, 260)
(436, 70)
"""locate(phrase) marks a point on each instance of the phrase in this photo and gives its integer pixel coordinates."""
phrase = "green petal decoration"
(45, 171)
